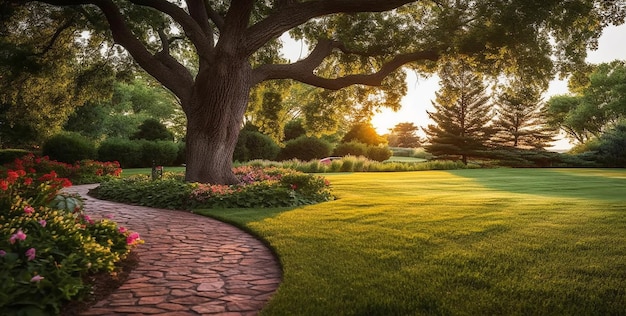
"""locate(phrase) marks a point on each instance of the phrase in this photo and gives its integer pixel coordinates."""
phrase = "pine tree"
(462, 113)
(404, 135)
(520, 120)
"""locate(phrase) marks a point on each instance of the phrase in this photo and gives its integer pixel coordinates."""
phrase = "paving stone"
(188, 264)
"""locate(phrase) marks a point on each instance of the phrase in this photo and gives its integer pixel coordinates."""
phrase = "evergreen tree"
(520, 121)
(404, 135)
(462, 113)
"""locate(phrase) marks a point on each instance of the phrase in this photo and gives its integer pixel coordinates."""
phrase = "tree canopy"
(597, 105)
(358, 49)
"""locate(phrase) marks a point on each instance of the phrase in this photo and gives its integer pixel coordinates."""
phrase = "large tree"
(356, 44)
(463, 113)
(597, 105)
(404, 135)
(520, 121)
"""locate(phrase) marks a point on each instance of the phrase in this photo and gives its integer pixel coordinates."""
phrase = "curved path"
(189, 264)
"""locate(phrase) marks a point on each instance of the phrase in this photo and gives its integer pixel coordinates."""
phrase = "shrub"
(255, 145)
(69, 148)
(305, 148)
(152, 129)
(162, 153)
(9, 155)
(612, 147)
(128, 153)
(181, 158)
(351, 148)
(378, 153)
(47, 251)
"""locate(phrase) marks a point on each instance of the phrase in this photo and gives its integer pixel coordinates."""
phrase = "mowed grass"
(464, 242)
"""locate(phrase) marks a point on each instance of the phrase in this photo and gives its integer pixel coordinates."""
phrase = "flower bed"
(81, 172)
(48, 244)
(259, 187)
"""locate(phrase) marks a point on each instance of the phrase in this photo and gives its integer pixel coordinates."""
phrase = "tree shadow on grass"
(601, 184)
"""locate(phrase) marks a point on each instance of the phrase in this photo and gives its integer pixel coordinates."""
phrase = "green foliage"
(153, 130)
(360, 164)
(596, 107)
(49, 246)
(294, 129)
(181, 157)
(363, 133)
(127, 152)
(255, 145)
(9, 155)
(352, 148)
(305, 148)
(69, 148)
(45, 74)
(378, 153)
(259, 188)
(163, 153)
(612, 147)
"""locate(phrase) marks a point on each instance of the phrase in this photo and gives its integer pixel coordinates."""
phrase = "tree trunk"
(214, 119)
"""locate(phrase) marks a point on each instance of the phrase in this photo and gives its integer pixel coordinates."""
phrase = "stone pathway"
(189, 264)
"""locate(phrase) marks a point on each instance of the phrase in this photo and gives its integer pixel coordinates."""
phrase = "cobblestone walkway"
(189, 264)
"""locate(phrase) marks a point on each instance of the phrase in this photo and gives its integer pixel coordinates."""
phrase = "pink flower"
(294, 186)
(29, 210)
(132, 238)
(43, 223)
(88, 219)
(30, 254)
(2, 253)
(17, 236)
(36, 278)
(108, 216)
(122, 229)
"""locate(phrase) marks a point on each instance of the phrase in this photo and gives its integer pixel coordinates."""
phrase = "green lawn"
(463, 242)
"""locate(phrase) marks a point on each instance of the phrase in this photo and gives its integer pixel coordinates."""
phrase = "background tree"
(360, 44)
(598, 104)
(364, 133)
(404, 135)
(152, 129)
(520, 121)
(42, 79)
(463, 113)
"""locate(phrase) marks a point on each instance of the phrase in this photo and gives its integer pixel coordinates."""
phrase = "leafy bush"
(48, 245)
(81, 172)
(378, 153)
(270, 187)
(305, 148)
(612, 147)
(127, 152)
(69, 148)
(162, 153)
(181, 158)
(352, 148)
(255, 145)
(152, 129)
(9, 155)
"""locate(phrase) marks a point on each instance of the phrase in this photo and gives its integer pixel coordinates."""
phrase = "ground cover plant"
(48, 245)
(258, 188)
(462, 242)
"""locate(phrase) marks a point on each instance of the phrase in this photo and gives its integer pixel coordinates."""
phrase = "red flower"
(4, 185)
(12, 176)
(28, 181)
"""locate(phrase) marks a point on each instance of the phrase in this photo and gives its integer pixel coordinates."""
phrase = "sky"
(421, 91)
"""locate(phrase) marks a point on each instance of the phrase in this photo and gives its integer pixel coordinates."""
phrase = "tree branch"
(294, 14)
(217, 19)
(193, 30)
(56, 35)
(304, 70)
